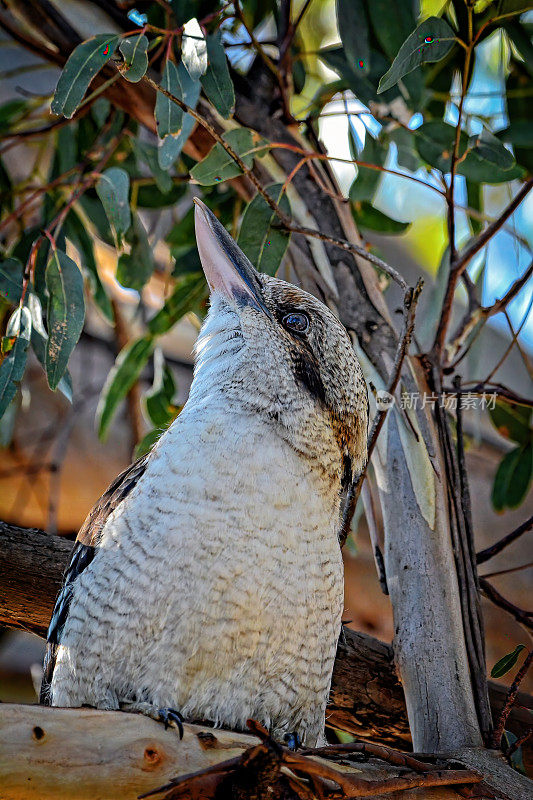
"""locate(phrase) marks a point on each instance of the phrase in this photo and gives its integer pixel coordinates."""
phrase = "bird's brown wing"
(83, 553)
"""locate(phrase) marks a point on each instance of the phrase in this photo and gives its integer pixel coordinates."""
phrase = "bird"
(206, 584)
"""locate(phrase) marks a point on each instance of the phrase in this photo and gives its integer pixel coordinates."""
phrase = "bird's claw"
(171, 718)
(293, 740)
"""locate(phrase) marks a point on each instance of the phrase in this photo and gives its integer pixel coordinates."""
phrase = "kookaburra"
(208, 578)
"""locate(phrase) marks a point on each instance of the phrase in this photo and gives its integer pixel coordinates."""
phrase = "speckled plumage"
(216, 586)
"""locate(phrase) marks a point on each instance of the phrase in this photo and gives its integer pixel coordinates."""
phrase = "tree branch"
(54, 753)
(497, 547)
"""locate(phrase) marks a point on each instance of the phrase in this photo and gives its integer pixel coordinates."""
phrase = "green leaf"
(189, 292)
(218, 165)
(66, 313)
(134, 50)
(512, 421)
(128, 366)
(351, 20)
(113, 190)
(216, 82)
(14, 363)
(11, 112)
(431, 41)
(172, 146)
(168, 115)
(435, 140)
(264, 245)
(513, 478)
(100, 111)
(366, 216)
(39, 339)
(147, 442)
(366, 182)
(83, 64)
(194, 49)
(76, 232)
(392, 23)
(11, 280)
(148, 153)
(506, 663)
(159, 401)
(490, 148)
(136, 267)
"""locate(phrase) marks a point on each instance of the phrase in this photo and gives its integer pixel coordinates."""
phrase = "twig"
(524, 617)
(497, 547)
(510, 699)
(410, 302)
(458, 266)
(509, 570)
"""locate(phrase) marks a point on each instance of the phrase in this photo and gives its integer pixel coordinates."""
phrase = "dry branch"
(55, 753)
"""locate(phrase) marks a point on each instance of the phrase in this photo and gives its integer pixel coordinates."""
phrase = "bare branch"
(497, 547)
(460, 263)
(524, 617)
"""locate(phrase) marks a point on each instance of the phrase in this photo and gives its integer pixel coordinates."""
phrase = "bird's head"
(281, 353)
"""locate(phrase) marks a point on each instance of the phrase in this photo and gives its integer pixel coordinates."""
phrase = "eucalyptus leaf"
(66, 313)
(512, 421)
(136, 267)
(430, 42)
(134, 49)
(128, 366)
(172, 146)
(218, 165)
(490, 148)
(83, 64)
(11, 280)
(513, 478)
(14, 363)
(190, 290)
(149, 154)
(159, 401)
(168, 115)
(76, 232)
(367, 180)
(371, 218)
(216, 82)
(194, 49)
(113, 190)
(39, 339)
(506, 663)
(353, 29)
(264, 244)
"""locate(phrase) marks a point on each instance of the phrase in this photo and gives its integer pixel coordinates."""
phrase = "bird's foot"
(168, 716)
(293, 740)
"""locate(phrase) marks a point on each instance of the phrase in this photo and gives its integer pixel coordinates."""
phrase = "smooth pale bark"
(422, 583)
(51, 754)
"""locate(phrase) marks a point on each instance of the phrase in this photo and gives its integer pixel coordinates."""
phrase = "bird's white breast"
(217, 588)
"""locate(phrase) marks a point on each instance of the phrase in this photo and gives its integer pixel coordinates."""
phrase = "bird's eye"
(297, 322)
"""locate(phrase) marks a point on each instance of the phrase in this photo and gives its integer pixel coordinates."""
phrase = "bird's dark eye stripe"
(296, 321)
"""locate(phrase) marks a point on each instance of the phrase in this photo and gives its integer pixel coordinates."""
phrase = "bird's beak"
(226, 268)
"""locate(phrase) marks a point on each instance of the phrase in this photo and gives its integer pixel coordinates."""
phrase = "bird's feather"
(82, 555)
